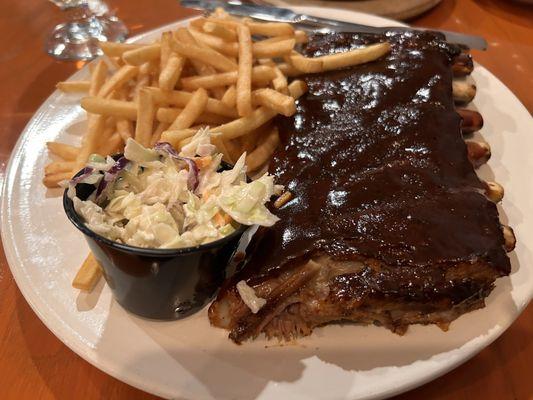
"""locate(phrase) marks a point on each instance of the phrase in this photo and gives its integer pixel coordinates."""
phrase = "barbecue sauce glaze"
(378, 168)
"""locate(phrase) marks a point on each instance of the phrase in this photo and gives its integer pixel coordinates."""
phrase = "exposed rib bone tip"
(509, 237)
(463, 91)
(478, 152)
(462, 65)
(471, 120)
(494, 192)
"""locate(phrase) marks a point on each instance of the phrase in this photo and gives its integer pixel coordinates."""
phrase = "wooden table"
(35, 364)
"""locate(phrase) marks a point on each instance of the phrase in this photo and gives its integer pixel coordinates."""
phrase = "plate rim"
(90, 355)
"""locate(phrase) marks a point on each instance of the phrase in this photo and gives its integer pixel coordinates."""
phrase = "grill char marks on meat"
(385, 201)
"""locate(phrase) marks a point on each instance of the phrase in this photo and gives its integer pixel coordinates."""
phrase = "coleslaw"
(159, 198)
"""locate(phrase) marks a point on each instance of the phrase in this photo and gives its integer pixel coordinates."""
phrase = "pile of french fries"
(233, 75)
(212, 73)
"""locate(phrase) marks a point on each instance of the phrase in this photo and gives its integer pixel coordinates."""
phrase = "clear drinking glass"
(89, 21)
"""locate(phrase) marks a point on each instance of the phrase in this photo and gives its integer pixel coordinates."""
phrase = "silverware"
(276, 14)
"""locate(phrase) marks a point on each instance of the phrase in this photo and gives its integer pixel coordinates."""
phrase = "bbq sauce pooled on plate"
(378, 168)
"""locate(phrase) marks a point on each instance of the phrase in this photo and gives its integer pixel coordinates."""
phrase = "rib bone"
(472, 121)
(463, 91)
(478, 152)
(462, 65)
(494, 191)
(509, 237)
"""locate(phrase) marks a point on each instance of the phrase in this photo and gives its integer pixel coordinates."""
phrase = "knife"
(276, 14)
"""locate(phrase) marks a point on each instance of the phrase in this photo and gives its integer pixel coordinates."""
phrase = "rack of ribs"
(388, 222)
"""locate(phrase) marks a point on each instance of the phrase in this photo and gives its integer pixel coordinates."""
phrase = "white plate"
(190, 359)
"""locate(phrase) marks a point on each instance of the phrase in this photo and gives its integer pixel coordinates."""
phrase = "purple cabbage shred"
(110, 176)
(87, 171)
(193, 178)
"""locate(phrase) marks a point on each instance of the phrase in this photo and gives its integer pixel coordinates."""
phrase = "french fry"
(124, 128)
(95, 127)
(280, 81)
(166, 49)
(281, 200)
(114, 62)
(340, 60)
(263, 151)
(245, 145)
(249, 141)
(124, 109)
(225, 22)
(111, 145)
(218, 142)
(169, 115)
(119, 78)
(128, 110)
(53, 180)
(102, 145)
(183, 35)
(300, 36)
(161, 127)
(244, 125)
(74, 86)
(142, 82)
(206, 55)
(244, 79)
(115, 49)
(170, 74)
(274, 100)
(233, 149)
(142, 54)
(198, 23)
(354, 57)
(215, 42)
(288, 70)
(59, 166)
(143, 79)
(270, 28)
(260, 73)
(307, 65)
(230, 96)
(65, 151)
(221, 31)
(88, 275)
(275, 39)
(268, 48)
(275, 49)
(297, 89)
(98, 77)
(258, 117)
(194, 108)
(201, 68)
(110, 107)
(180, 98)
(174, 137)
(145, 118)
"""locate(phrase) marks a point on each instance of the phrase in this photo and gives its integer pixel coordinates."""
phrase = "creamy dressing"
(158, 198)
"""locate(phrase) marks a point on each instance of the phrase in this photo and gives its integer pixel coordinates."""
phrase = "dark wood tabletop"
(35, 364)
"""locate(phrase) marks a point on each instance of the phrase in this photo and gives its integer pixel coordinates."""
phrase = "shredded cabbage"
(249, 297)
(150, 202)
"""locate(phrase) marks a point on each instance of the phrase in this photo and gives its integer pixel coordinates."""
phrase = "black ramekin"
(162, 284)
